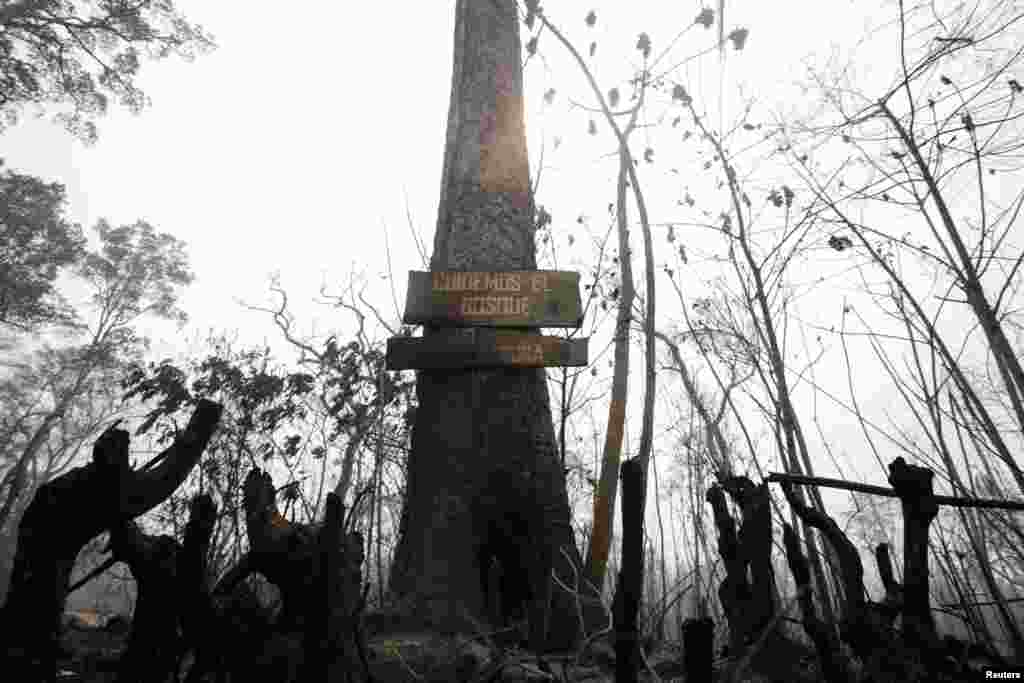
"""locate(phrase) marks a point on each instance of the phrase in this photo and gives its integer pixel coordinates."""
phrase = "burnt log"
(69, 511)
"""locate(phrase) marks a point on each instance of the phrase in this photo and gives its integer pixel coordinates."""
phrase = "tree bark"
(69, 511)
(604, 497)
(631, 576)
(197, 615)
(913, 484)
(484, 482)
(734, 591)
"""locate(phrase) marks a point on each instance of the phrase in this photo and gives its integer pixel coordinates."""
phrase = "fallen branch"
(951, 501)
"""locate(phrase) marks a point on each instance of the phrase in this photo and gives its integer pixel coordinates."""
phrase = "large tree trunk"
(69, 511)
(484, 481)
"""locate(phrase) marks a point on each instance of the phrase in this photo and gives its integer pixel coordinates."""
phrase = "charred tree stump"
(626, 605)
(334, 646)
(734, 592)
(698, 649)
(197, 615)
(65, 514)
(824, 638)
(284, 552)
(755, 547)
(153, 647)
(913, 485)
(317, 568)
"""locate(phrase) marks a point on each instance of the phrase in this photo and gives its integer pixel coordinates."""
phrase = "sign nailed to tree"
(481, 348)
(527, 298)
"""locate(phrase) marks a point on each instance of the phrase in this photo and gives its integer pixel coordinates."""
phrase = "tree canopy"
(36, 242)
(77, 55)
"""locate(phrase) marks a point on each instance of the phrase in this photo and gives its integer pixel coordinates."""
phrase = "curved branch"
(143, 491)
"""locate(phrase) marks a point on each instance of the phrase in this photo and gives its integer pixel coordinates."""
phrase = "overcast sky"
(315, 129)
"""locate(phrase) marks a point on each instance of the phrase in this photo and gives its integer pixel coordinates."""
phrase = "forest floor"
(91, 655)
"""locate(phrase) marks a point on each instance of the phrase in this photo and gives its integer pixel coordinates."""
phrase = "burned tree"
(72, 509)
(484, 481)
(317, 568)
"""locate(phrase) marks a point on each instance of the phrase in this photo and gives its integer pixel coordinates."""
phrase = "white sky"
(300, 141)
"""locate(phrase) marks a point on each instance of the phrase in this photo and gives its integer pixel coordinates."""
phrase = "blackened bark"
(484, 481)
(284, 552)
(334, 648)
(198, 620)
(65, 514)
(913, 485)
(631, 575)
(153, 647)
(734, 591)
(859, 625)
(755, 544)
(893, 603)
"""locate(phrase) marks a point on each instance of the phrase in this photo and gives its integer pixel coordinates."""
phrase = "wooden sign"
(522, 298)
(484, 348)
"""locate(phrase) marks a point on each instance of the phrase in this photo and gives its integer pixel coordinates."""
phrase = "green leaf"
(591, 19)
(706, 17)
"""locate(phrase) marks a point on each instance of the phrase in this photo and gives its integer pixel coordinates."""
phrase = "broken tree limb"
(849, 559)
(951, 501)
(104, 566)
(147, 489)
